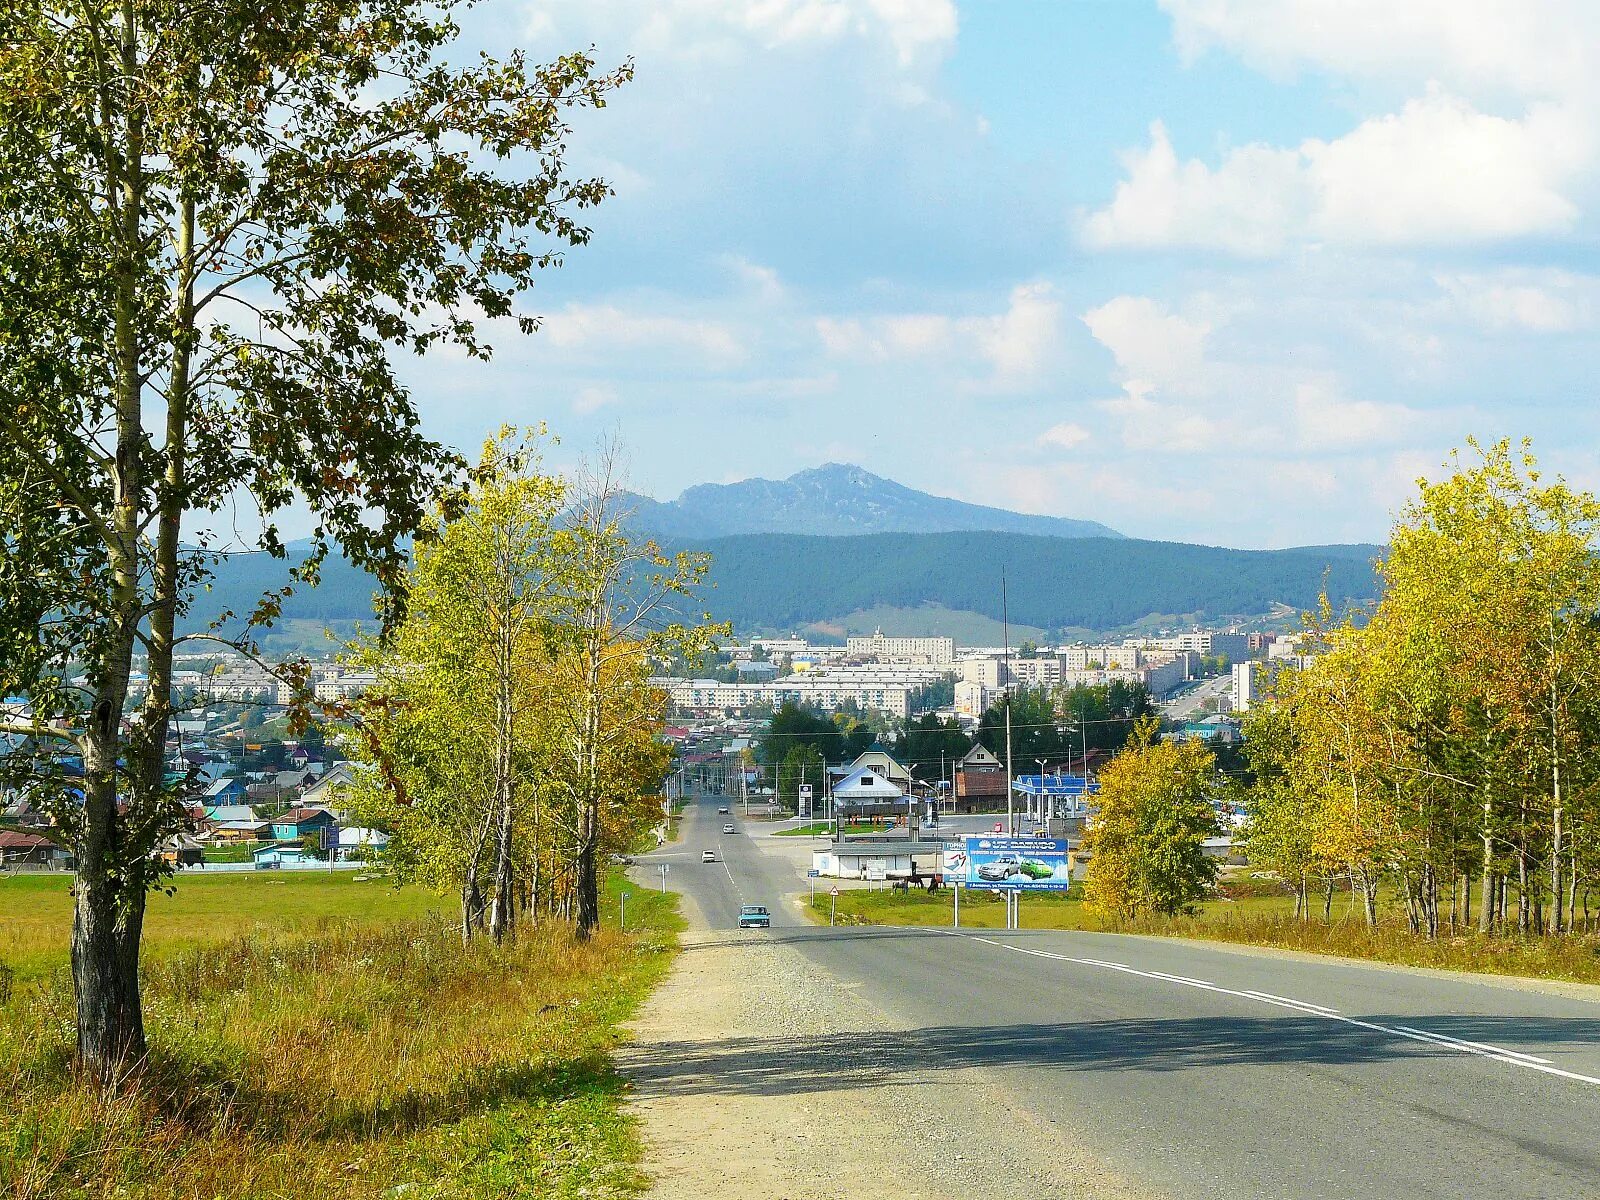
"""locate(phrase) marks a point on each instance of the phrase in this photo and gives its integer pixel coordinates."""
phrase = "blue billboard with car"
(1025, 863)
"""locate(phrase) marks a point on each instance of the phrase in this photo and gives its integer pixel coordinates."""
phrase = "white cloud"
(606, 328)
(1529, 48)
(1247, 205)
(592, 399)
(1152, 346)
(1149, 425)
(1065, 436)
(1437, 171)
(1538, 301)
(1009, 349)
(912, 35)
(1326, 420)
(762, 282)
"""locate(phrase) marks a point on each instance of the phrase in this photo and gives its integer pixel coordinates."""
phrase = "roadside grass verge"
(820, 828)
(345, 1056)
(1254, 915)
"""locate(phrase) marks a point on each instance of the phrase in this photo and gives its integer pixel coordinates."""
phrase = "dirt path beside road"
(741, 1098)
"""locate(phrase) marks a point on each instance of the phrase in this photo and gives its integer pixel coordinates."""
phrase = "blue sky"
(1225, 271)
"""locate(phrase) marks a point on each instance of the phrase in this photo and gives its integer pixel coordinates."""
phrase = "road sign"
(1029, 864)
(833, 891)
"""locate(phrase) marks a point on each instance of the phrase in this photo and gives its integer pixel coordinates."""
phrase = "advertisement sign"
(1030, 864)
(805, 799)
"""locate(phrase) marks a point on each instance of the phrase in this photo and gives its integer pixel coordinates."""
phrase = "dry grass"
(348, 1058)
(1248, 913)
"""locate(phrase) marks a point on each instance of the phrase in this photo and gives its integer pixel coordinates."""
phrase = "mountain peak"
(840, 499)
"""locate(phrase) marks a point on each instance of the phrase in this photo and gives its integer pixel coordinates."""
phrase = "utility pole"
(1005, 622)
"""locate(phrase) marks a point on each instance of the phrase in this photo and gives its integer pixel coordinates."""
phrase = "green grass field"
(1255, 915)
(322, 1036)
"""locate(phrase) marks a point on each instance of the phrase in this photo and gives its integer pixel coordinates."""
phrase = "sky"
(1224, 271)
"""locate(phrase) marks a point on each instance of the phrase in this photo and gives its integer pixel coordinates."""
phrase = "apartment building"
(939, 651)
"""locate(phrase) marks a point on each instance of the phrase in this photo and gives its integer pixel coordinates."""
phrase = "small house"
(29, 849)
(280, 854)
(298, 822)
(224, 791)
(358, 842)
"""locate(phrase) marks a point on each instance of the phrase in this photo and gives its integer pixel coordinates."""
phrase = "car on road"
(723, 811)
(754, 916)
(708, 856)
(727, 827)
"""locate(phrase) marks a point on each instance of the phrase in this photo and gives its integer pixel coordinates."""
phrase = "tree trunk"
(107, 921)
(589, 874)
(1327, 902)
(1524, 914)
(1486, 913)
(1369, 897)
(500, 908)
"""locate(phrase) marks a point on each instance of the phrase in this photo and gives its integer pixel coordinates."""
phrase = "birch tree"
(628, 602)
(219, 226)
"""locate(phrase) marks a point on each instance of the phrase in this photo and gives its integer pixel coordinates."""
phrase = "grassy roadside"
(1252, 916)
(819, 828)
(352, 1048)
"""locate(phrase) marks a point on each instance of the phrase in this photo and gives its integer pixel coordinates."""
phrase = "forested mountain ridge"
(787, 581)
(781, 582)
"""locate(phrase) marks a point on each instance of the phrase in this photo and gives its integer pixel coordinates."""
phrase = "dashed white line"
(1514, 1058)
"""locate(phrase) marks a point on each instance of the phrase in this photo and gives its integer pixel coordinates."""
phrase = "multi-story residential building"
(1231, 645)
(988, 671)
(340, 684)
(885, 688)
(940, 651)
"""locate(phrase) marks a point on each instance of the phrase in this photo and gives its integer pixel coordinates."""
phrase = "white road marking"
(1484, 1046)
(1514, 1058)
(1287, 1000)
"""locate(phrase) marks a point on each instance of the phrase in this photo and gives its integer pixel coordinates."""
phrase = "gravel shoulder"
(739, 1098)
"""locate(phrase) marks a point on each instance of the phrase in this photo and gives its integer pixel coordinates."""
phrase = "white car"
(728, 828)
(708, 856)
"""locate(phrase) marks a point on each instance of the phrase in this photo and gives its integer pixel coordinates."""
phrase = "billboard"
(1025, 863)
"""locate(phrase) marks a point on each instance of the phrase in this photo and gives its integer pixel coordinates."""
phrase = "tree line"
(1443, 743)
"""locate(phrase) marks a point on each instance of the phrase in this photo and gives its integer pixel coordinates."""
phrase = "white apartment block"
(887, 689)
(243, 682)
(940, 651)
(342, 685)
(1234, 645)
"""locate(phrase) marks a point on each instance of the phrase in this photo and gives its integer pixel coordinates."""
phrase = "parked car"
(708, 856)
(754, 916)
(727, 827)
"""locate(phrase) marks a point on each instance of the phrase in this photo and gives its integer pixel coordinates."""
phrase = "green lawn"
(321, 1036)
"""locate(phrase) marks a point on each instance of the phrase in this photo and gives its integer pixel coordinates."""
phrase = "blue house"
(224, 791)
(297, 822)
(279, 854)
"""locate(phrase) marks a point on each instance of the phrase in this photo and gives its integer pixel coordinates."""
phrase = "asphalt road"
(1194, 1070)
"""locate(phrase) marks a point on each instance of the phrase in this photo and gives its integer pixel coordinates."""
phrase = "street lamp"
(1042, 818)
